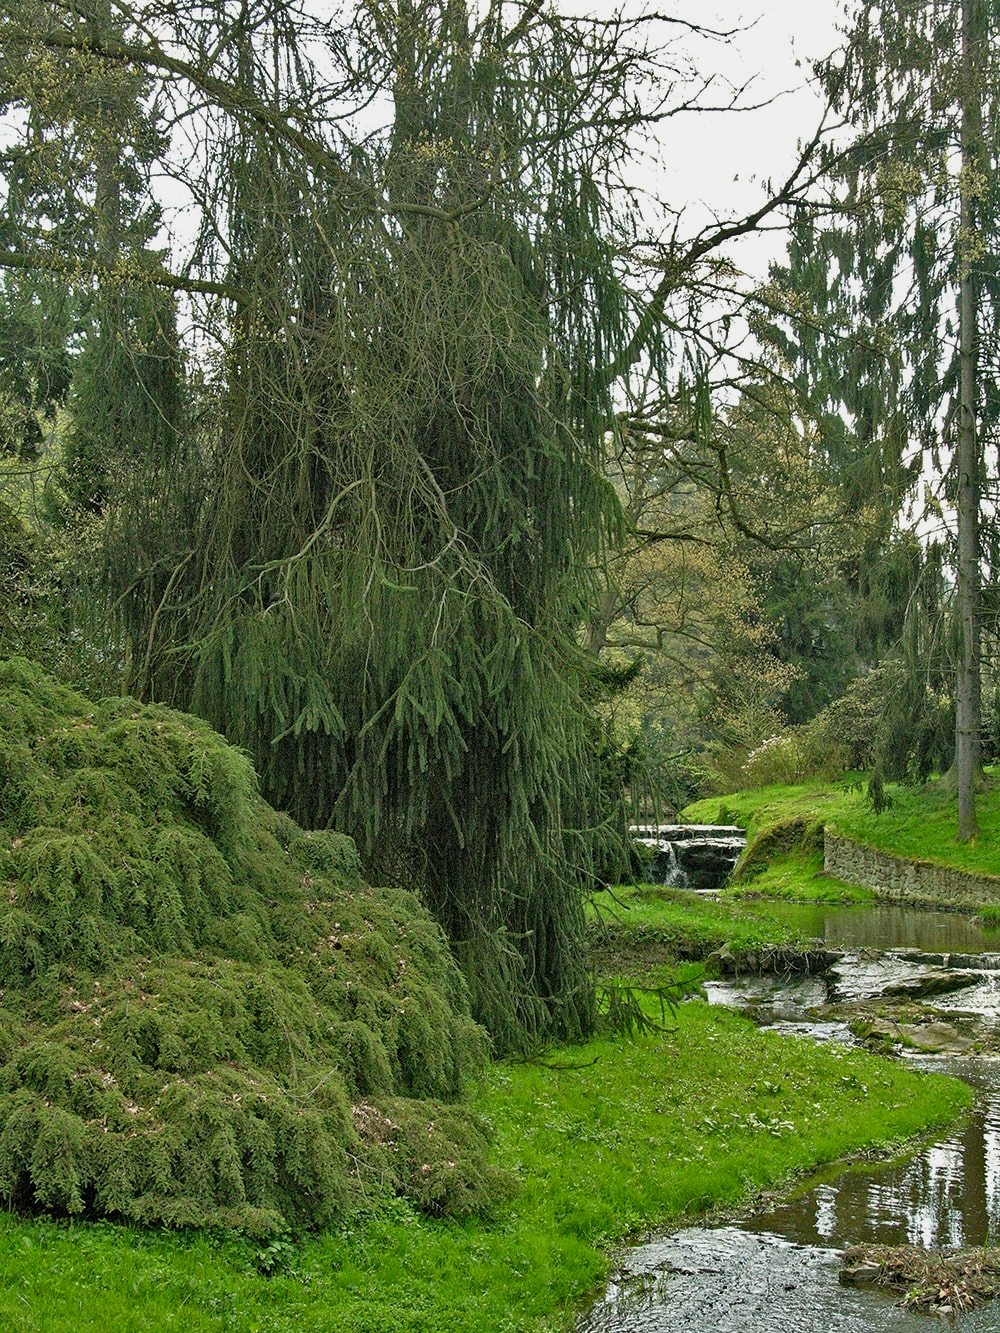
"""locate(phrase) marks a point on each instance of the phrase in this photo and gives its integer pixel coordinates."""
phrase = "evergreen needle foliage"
(379, 591)
(207, 1016)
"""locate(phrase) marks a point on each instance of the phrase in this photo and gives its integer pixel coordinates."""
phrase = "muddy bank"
(944, 1284)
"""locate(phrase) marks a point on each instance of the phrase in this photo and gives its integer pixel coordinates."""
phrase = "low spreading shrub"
(198, 995)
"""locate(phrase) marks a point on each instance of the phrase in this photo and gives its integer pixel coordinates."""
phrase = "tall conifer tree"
(901, 288)
(381, 593)
(370, 560)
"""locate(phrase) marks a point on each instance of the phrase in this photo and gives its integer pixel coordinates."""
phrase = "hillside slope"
(920, 823)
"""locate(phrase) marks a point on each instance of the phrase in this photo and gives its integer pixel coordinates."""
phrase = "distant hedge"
(206, 1016)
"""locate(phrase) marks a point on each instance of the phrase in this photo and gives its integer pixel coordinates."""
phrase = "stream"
(778, 1268)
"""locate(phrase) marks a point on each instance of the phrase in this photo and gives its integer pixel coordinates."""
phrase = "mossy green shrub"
(799, 833)
(198, 996)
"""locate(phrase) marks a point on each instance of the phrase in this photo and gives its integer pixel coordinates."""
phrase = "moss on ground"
(798, 835)
(207, 1017)
(798, 877)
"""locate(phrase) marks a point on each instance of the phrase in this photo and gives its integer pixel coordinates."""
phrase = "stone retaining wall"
(902, 880)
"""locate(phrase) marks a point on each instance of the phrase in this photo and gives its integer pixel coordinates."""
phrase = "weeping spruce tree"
(367, 555)
(380, 593)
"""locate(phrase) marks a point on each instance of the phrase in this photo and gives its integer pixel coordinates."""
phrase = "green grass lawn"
(759, 806)
(626, 1135)
(680, 923)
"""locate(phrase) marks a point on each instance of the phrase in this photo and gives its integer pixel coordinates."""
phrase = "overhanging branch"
(76, 267)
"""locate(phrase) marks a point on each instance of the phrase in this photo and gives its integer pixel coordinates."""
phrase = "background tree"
(735, 583)
(886, 281)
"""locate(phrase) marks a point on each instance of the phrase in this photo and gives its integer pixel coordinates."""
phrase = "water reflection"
(884, 926)
(777, 1271)
(949, 1194)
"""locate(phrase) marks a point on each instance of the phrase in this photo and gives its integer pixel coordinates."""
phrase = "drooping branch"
(77, 269)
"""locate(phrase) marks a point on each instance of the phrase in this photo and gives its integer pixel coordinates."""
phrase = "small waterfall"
(691, 856)
(665, 867)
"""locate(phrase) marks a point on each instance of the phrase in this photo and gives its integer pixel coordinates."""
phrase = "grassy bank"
(757, 807)
(625, 1135)
(791, 868)
(634, 927)
(799, 877)
(920, 823)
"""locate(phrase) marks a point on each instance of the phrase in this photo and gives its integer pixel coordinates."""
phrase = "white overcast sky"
(723, 160)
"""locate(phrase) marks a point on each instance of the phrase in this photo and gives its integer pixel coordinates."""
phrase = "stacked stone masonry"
(896, 878)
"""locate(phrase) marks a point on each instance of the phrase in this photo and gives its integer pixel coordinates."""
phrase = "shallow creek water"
(883, 926)
(778, 1269)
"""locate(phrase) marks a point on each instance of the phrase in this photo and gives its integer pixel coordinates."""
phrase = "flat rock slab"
(937, 1038)
(939, 981)
(860, 1273)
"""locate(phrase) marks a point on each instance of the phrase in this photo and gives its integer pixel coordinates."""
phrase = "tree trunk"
(967, 685)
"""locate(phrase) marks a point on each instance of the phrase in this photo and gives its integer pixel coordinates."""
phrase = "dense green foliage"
(633, 1134)
(19, 571)
(341, 445)
(207, 1016)
(342, 456)
(367, 563)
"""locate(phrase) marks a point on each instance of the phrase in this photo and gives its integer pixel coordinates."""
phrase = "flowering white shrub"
(777, 760)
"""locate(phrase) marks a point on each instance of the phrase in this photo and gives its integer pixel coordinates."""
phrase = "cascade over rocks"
(207, 1017)
(694, 856)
